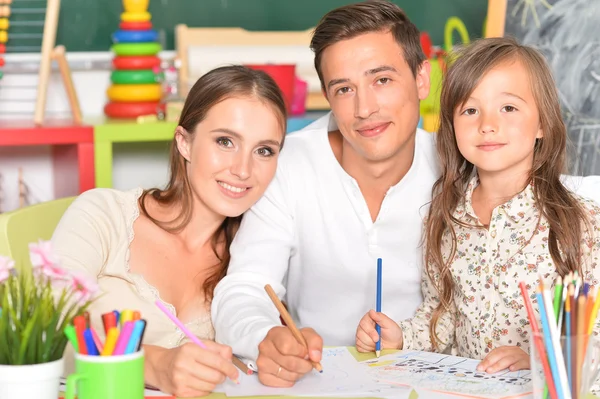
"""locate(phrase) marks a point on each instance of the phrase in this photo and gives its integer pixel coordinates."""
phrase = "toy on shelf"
(21, 42)
(4, 24)
(136, 88)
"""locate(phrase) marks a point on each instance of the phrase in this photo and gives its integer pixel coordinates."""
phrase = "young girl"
(499, 214)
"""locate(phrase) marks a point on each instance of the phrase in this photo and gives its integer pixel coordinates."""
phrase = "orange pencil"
(136, 315)
(290, 322)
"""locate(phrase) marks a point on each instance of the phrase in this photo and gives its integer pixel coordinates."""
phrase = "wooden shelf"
(72, 150)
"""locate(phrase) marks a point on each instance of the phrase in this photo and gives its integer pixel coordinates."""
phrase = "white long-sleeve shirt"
(312, 239)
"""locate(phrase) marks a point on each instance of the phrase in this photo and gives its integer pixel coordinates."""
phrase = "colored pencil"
(290, 322)
(558, 288)
(538, 343)
(553, 346)
(568, 337)
(378, 306)
(580, 331)
(241, 365)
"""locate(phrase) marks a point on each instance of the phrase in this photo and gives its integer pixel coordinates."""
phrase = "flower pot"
(32, 381)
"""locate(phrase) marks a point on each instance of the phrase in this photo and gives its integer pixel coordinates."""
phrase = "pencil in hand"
(290, 323)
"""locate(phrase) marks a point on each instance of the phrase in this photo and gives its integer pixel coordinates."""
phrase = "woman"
(172, 245)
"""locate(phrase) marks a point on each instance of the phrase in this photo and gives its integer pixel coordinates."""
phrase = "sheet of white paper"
(342, 376)
(434, 371)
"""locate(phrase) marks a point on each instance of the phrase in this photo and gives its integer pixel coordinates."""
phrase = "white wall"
(142, 164)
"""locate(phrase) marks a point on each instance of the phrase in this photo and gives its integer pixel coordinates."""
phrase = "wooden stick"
(50, 26)
(59, 55)
(241, 365)
(290, 322)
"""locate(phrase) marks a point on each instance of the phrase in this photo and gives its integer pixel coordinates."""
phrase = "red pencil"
(538, 342)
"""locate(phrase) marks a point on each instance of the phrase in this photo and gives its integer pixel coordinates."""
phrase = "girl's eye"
(470, 111)
(265, 152)
(509, 108)
(224, 141)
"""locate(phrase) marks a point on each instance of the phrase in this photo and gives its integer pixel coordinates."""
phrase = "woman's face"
(232, 154)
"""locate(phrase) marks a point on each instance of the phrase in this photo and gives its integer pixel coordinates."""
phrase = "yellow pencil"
(111, 341)
(594, 313)
(126, 315)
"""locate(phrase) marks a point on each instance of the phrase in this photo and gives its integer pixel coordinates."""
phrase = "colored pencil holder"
(107, 377)
(579, 368)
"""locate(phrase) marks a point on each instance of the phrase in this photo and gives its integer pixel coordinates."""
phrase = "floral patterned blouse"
(488, 310)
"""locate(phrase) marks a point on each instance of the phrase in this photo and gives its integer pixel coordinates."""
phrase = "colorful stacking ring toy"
(134, 93)
(131, 110)
(136, 48)
(136, 62)
(140, 76)
(146, 25)
(135, 36)
(135, 5)
(135, 16)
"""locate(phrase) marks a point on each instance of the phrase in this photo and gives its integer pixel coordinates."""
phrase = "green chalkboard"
(87, 25)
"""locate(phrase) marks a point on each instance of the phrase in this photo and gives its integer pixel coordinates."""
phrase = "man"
(349, 189)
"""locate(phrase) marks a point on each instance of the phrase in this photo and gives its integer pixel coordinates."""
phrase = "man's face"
(373, 94)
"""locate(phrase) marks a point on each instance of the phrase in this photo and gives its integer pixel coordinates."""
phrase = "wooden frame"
(186, 37)
(496, 18)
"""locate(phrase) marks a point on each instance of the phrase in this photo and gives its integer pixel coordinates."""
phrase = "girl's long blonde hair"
(558, 206)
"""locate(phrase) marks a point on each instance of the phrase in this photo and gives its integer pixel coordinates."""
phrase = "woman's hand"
(189, 370)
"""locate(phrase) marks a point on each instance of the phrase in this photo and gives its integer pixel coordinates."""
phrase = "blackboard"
(567, 32)
(87, 25)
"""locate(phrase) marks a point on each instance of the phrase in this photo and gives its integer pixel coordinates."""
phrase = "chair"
(23, 226)
(213, 47)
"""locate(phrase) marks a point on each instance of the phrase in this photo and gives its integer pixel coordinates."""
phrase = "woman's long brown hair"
(558, 206)
(212, 88)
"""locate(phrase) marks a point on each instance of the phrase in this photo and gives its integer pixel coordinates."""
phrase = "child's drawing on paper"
(446, 373)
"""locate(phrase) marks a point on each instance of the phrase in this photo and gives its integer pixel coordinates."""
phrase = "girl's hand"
(505, 357)
(367, 337)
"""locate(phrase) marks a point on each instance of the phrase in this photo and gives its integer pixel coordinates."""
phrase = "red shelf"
(72, 150)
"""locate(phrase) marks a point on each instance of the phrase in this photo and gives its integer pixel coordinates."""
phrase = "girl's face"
(497, 126)
(232, 155)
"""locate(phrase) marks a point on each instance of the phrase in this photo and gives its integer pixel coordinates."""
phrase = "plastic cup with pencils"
(113, 368)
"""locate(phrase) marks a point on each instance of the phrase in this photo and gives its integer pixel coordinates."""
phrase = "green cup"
(107, 377)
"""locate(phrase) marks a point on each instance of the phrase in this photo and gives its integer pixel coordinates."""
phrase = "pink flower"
(44, 261)
(6, 265)
(84, 288)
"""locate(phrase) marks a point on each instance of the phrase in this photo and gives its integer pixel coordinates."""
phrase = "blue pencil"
(550, 346)
(378, 307)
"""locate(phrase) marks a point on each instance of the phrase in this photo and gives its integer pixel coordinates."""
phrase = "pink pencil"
(183, 328)
(123, 338)
(97, 340)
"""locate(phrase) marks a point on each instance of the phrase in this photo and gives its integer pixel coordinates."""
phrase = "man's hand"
(282, 360)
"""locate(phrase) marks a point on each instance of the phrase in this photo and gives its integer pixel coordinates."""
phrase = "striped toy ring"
(138, 76)
(134, 93)
(136, 62)
(135, 36)
(147, 25)
(136, 48)
(136, 16)
(131, 110)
